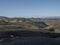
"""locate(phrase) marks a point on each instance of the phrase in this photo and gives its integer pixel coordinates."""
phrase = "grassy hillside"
(54, 22)
(46, 24)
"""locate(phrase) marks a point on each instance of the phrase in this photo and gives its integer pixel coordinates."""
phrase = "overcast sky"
(29, 8)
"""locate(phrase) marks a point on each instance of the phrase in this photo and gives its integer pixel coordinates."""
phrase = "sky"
(29, 8)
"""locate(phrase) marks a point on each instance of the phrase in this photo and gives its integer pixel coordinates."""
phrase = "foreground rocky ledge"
(28, 33)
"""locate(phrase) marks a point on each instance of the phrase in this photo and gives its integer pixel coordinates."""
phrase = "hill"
(46, 24)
